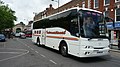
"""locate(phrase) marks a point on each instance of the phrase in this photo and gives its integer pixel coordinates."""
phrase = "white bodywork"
(80, 47)
(77, 46)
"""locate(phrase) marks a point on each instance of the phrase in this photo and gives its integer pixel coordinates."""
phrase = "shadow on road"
(83, 60)
(89, 60)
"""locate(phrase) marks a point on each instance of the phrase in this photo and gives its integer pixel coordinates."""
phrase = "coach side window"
(74, 27)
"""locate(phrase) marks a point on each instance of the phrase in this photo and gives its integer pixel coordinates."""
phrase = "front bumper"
(94, 52)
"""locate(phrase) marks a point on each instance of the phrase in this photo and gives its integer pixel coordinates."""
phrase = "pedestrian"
(9, 35)
(12, 35)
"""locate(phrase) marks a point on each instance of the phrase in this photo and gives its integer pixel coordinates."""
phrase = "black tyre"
(64, 49)
(38, 42)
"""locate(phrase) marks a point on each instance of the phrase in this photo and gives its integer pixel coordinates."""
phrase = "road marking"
(12, 52)
(42, 55)
(27, 46)
(24, 43)
(53, 61)
(15, 56)
(14, 49)
(31, 48)
(36, 51)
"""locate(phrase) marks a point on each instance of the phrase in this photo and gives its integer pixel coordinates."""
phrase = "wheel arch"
(37, 39)
(62, 41)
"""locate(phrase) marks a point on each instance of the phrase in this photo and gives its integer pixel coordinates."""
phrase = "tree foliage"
(7, 17)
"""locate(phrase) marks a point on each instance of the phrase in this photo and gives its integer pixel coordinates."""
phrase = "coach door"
(43, 37)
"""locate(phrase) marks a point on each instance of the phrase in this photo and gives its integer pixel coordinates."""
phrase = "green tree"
(7, 17)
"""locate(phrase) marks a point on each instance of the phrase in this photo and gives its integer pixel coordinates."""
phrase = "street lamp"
(57, 2)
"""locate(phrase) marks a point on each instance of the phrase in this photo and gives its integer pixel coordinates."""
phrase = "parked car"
(22, 35)
(2, 38)
(17, 34)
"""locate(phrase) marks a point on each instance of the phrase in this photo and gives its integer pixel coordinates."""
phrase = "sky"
(26, 9)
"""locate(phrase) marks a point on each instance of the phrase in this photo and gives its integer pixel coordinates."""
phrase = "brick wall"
(79, 3)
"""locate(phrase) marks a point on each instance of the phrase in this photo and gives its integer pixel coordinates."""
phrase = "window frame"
(106, 14)
(89, 5)
(116, 15)
(105, 2)
(95, 4)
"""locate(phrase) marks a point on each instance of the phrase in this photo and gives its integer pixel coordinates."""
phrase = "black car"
(2, 38)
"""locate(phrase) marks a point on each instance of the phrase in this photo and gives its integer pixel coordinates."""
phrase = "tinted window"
(91, 23)
(61, 20)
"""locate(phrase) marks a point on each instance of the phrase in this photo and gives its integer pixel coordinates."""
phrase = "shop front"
(114, 33)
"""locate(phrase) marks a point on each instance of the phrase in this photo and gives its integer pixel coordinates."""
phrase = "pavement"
(114, 49)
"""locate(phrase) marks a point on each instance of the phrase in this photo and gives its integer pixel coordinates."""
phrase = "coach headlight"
(88, 47)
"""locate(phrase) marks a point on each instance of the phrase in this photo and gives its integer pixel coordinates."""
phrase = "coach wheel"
(38, 41)
(64, 49)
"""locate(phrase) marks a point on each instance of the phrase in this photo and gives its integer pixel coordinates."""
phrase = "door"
(43, 36)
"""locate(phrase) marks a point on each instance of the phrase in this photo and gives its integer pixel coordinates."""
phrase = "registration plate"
(97, 51)
(100, 52)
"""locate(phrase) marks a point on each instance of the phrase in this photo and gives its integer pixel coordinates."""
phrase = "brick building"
(110, 8)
